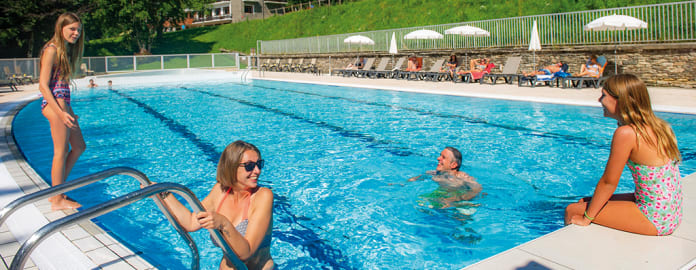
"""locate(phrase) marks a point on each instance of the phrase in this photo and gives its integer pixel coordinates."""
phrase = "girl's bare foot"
(62, 202)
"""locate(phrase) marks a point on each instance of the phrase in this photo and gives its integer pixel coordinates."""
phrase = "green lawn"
(366, 15)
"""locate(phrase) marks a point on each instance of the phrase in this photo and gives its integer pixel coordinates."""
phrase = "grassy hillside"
(366, 15)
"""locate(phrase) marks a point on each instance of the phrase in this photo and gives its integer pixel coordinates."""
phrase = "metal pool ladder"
(150, 190)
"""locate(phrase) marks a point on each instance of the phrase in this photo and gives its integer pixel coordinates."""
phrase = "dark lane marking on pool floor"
(206, 147)
(316, 246)
(472, 120)
(385, 145)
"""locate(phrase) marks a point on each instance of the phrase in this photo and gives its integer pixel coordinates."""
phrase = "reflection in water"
(457, 214)
(453, 190)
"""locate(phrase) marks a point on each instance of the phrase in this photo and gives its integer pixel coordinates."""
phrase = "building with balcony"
(231, 11)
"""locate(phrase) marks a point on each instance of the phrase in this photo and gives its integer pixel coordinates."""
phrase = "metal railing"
(668, 22)
(303, 6)
(106, 64)
(98, 210)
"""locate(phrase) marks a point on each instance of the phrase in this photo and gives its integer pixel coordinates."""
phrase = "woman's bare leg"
(61, 136)
(618, 214)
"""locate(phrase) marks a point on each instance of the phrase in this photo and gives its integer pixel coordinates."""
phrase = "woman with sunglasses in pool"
(237, 206)
(648, 145)
(59, 58)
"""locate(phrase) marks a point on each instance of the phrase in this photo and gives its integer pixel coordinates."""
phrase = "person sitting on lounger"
(413, 64)
(451, 65)
(590, 69)
(475, 66)
(547, 70)
(358, 64)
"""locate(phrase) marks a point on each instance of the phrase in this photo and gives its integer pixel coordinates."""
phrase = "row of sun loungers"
(290, 66)
(509, 74)
(16, 78)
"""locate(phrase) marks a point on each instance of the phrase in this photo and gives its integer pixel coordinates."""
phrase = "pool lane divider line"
(687, 153)
(316, 246)
(472, 120)
(385, 145)
(207, 148)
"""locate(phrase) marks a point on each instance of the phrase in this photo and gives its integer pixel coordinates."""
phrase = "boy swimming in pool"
(454, 184)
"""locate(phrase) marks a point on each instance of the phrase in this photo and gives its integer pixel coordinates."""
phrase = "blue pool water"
(337, 161)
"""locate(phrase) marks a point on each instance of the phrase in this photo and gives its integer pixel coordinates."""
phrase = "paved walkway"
(86, 246)
(679, 100)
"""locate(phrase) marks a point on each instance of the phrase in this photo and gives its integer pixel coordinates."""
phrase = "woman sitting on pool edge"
(237, 206)
(647, 143)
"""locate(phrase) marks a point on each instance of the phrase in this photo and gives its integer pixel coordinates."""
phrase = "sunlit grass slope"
(366, 15)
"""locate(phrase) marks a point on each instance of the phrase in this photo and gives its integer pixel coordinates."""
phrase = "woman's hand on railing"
(212, 220)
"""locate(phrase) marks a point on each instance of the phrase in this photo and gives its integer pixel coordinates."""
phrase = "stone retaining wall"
(657, 64)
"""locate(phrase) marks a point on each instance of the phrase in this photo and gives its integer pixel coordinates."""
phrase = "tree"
(27, 24)
(141, 20)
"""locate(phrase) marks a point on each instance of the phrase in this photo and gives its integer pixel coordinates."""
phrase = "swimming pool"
(332, 153)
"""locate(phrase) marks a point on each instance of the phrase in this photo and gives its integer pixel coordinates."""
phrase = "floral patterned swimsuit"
(658, 194)
(59, 88)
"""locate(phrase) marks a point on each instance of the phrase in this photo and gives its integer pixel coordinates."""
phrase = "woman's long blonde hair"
(635, 109)
(68, 56)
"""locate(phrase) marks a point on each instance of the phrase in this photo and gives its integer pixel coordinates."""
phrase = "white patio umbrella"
(360, 40)
(392, 47)
(534, 43)
(423, 34)
(467, 31)
(613, 23)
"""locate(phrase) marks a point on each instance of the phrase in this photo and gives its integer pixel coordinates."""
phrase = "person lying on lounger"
(358, 64)
(547, 70)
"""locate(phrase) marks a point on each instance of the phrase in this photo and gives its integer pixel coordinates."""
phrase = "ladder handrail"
(106, 207)
(68, 186)
(89, 179)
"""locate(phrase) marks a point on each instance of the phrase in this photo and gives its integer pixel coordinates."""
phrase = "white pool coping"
(572, 247)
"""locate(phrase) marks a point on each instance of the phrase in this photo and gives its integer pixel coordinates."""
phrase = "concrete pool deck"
(87, 246)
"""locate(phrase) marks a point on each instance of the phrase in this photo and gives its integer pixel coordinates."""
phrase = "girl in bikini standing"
(59, 59)
(648, 146)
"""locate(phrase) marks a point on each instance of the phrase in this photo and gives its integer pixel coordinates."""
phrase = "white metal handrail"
(13, 206)
(106, 64)
(95, 211)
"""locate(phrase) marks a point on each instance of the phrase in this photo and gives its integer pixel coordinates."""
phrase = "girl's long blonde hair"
(635, 109)
(68, 56)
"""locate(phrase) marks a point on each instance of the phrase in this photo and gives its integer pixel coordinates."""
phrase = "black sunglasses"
(249, 166)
